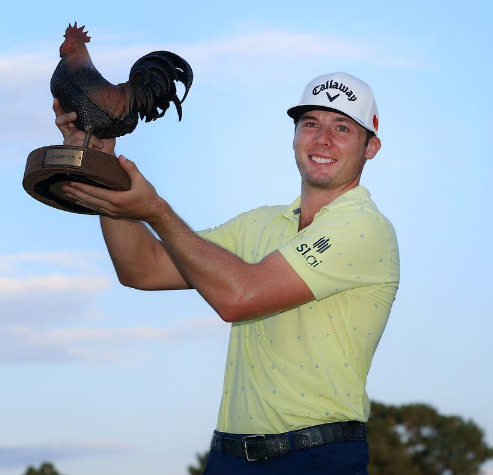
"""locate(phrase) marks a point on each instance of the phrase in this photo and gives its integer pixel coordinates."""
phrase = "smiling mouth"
(317, 159)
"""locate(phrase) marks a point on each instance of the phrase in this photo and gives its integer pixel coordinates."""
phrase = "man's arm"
(140, 259)
(235, 289)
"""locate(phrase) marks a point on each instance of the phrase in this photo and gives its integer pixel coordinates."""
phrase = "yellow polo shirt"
(308, 365)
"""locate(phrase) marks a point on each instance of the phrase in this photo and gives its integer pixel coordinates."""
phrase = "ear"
(294, 135)
(373, 147)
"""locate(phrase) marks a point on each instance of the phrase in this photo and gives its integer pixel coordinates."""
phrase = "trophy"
(104, 110)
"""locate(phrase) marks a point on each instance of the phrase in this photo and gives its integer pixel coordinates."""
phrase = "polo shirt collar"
(357, 193)
(293, 212)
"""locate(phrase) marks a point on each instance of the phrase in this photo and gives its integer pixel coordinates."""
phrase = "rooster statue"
(109, 111)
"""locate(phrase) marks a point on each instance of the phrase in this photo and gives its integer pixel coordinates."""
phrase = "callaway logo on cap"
(340, 92)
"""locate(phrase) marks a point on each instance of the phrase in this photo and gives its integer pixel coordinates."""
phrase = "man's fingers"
(65, 122)
(78, 201)
(73, 136)
(65, 119)
(57, 108)
(102, 207)
(97, 209)
(129, 167)
(91, 195)
(96, 143)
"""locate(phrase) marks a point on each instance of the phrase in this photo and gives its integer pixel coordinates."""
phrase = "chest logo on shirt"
(319, 246)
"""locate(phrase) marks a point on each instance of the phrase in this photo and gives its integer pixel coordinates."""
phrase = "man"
(308, 288)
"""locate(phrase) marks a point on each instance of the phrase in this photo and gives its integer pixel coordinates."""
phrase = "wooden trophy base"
(48, 169)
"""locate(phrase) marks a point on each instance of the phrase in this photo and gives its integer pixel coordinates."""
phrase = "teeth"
(321, 160)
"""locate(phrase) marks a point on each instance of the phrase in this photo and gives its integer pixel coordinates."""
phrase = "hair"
(369, 136)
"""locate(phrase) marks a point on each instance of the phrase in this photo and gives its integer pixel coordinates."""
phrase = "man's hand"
(73, 136)
(137, 203)
(139, 258)
(140, 202)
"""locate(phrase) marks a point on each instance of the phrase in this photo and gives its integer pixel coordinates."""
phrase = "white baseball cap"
(343, 93)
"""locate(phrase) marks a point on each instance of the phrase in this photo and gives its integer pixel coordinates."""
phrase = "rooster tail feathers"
(153, 78)
(177, 103)
(184, 74)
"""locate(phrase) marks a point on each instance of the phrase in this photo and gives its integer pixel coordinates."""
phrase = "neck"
(314, 199)
(78, 57)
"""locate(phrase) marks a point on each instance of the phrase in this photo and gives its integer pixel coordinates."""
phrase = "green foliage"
(416, 440)
(45, 469)
(202, 461)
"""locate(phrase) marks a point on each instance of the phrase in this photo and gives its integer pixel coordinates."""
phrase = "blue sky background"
(103, 379)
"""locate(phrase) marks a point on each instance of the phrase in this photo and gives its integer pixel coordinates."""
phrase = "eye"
(310, 124)
(342, 128)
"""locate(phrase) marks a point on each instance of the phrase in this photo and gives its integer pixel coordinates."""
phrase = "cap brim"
(296, 111)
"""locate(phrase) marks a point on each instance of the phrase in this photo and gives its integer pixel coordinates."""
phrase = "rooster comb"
(72, 31)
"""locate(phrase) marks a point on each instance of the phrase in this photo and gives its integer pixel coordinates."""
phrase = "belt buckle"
(245, 446)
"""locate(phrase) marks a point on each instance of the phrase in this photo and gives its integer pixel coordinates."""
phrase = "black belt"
(256, 447)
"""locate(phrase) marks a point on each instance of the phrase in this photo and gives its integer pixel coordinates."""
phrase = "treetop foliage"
(416, 440)
(412, 439)
(45, 469)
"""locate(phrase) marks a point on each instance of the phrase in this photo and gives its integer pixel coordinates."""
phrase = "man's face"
(330, 150)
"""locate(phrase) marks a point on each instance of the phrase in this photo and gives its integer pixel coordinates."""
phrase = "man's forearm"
(138, 256)
(217, 274)
(236, 289)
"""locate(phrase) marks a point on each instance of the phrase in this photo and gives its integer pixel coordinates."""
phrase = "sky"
(88, 371)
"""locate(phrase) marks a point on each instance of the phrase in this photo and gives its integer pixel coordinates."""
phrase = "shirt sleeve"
(338, 253)
(224, 235)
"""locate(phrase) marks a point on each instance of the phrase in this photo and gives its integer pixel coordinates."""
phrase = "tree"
(416, 440)
(45, 469)
(202, 461)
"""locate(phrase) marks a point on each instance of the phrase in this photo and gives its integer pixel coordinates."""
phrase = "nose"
(323, 137)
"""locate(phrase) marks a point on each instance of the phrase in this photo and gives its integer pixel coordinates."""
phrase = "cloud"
(81, 260)
(35, 286)
(279, 48)
(44, 300)
(12, 69)
(285, 49)
(29, 296)
(254, 57)
(12, 456)
(104, 336)
(25, 343)
(44, 318)
(15, 289)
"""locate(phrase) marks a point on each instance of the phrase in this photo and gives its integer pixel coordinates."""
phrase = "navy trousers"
(336, 458)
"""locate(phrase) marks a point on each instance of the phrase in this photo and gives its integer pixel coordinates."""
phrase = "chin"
(321, 184)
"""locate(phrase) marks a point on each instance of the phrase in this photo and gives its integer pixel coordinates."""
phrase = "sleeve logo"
(322, 244)
(319, 246)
